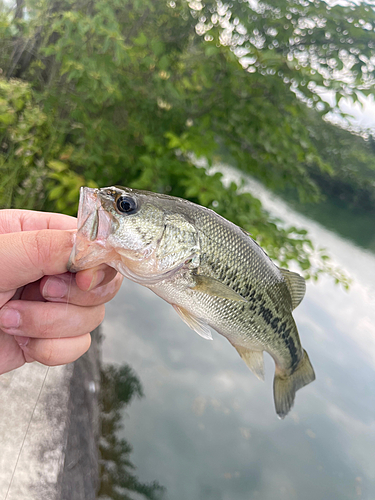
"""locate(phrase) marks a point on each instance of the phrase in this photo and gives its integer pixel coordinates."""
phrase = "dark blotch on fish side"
(275, 322)
(266, 313)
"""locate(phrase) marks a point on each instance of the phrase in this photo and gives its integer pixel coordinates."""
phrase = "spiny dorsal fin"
(296, 286)
(193, 322)
(253, 359)
(212, 286)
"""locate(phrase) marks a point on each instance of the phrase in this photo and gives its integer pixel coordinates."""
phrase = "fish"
(210, 270)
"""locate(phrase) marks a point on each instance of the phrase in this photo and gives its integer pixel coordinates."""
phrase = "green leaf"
(140, 40)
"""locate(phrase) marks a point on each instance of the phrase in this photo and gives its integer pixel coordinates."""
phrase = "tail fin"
(285, 387)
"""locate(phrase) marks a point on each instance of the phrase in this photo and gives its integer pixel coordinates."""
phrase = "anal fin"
(193, 322)
(253, 359)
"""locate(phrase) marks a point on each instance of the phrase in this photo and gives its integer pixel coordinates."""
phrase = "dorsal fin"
(296, 286)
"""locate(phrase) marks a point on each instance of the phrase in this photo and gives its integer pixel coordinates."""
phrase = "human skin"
(46, 313)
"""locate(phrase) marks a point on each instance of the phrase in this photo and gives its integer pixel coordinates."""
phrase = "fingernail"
(22, 341)
(9, 318)
(96, 280)
(55, 288)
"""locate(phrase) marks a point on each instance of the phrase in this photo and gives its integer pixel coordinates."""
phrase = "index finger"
(29, 220)
(27, 256)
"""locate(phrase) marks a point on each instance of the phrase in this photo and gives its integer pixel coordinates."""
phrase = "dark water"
(354, 225)
(206, 428)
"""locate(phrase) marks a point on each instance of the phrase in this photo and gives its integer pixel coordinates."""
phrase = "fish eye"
(126, 205)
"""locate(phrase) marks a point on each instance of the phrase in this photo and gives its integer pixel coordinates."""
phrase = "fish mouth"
(94, 226)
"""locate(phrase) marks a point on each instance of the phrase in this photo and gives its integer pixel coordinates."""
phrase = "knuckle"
(47, 320)
(44, 247)
(48, 354)
(42, 350)
(38, 250)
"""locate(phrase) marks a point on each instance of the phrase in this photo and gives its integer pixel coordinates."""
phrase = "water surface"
(207, 429)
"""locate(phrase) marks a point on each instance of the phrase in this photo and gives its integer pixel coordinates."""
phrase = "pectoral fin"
(253, 359)
(194, 323)
(214, 287)
(296, 286)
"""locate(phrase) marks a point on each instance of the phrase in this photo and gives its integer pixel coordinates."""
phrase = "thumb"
(27, 256)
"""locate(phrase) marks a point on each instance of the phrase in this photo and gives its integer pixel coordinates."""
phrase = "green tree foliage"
(23, 134)
(118, 481)
(131, 91)
(352, 176)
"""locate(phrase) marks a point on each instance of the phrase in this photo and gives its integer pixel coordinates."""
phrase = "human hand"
(46, 313)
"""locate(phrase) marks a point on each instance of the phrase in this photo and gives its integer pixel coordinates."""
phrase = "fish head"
(136, 232)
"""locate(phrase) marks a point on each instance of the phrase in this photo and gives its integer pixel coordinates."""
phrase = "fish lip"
(94, 226)
(87, 196)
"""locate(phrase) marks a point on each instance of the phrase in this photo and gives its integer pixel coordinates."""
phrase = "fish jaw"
(95, 225)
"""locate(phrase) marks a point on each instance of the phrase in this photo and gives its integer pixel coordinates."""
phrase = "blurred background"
(263, 111)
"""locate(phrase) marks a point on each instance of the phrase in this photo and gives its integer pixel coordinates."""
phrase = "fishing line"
(27, 430)
(38, 398)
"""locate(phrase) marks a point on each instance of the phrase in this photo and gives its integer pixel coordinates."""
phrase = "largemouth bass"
(211, 271)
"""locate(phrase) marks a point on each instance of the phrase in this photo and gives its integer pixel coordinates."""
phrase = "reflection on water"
(119, 386)
(206, 428)
(351, 224)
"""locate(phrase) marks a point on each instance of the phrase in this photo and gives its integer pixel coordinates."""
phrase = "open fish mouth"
(94, 226)
(88, 212)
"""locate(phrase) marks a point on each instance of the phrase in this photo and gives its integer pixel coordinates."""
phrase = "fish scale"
(212, 272)
(242, 261)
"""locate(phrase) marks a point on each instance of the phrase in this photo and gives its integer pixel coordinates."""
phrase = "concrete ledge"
(56, 428)
(79, 477)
